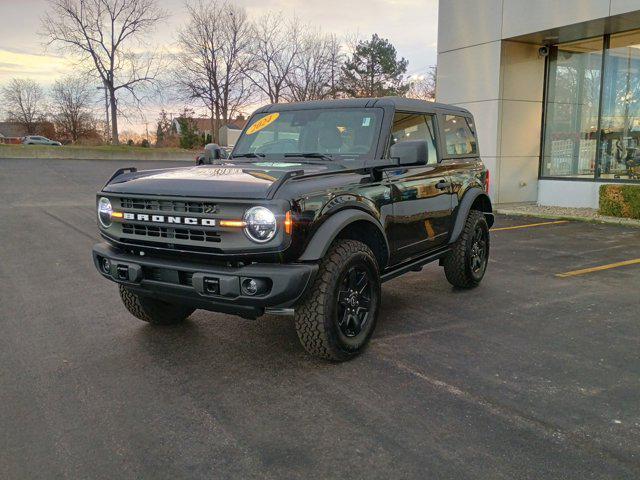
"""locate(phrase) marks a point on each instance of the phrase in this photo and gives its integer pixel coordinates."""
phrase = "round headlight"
(104, 212)
(260, 224)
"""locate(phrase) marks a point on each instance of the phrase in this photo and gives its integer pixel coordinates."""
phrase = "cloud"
(43, 68)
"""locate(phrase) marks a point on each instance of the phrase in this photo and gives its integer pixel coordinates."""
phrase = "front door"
(421, 193)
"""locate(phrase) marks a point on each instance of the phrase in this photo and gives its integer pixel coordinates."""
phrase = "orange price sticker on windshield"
(263, 122)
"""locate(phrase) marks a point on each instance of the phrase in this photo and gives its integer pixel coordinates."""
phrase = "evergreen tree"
(374, 70)
(164, 128)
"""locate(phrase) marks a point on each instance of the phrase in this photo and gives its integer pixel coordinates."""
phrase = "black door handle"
(442, 185)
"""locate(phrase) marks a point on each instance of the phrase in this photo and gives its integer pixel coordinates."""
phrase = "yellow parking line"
(599, 268)
(529, 225)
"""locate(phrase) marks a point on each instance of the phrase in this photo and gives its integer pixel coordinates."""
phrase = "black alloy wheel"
(478, 254)
(354, 301)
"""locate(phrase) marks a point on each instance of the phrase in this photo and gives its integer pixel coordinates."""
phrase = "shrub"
(144, 143)
(620, 201)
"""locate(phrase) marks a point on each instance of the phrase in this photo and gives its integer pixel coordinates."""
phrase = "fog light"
(253, 286)
(106, 265)
(249, 286)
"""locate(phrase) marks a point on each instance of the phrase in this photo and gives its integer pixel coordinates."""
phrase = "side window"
(411, 127)
(459, 135)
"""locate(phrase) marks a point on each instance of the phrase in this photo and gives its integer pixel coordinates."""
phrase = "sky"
(410, 25)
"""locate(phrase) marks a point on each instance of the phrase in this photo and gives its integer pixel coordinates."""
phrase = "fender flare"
(464, 208)
(329, 230)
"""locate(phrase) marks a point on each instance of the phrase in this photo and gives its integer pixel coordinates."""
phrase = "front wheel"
(336, 319)
(466, 264)
(152, 310)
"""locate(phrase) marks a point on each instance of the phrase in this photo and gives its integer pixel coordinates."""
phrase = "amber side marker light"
(232, 223)
(117, 215)
(288, 223)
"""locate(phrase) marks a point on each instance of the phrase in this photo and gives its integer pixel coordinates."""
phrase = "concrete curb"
(627, 222)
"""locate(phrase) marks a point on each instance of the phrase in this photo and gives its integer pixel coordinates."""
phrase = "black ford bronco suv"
(318, 204)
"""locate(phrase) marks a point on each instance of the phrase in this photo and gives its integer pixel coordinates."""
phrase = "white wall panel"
(468, 22)
(521, 127)
(518, 179)
(568, 194)
(470, 74)
(520, 17)
(522, 72)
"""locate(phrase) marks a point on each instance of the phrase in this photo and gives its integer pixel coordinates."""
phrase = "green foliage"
(620, 201)
(374, 70)
(189, 138)
(164, 127)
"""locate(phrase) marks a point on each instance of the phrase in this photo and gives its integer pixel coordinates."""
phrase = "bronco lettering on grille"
(143, 217)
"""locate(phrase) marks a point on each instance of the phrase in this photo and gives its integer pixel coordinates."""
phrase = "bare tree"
(103, 33)
(277, 45)
(24, 103)
(72, 100)
(214, 57)
(423, 87)
(335, 60)
(316, 67)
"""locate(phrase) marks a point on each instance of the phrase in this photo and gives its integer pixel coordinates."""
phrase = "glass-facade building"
(554, 87)
(592, 109)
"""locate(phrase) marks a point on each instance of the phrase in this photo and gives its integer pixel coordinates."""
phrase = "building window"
(571, 110)
(592, 109)
(620, 122)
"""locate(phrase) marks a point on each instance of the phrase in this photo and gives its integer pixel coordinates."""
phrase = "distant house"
(12, 129)
(12, 132)
(228, 132)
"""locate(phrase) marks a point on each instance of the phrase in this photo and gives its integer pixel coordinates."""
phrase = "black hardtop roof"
(398, 103)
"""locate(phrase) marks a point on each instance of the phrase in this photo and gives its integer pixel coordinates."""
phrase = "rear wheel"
(466, 265)
(152, 310)
(337, 318)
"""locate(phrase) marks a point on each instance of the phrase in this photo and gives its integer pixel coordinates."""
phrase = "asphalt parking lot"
(531, 375)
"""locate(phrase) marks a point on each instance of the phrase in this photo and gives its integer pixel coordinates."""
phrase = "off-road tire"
(316, 319)
(457, 264)
(152, 310)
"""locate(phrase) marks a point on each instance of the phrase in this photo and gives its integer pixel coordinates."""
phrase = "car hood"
(257, 180)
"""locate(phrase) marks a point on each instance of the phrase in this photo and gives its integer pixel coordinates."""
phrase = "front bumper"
(205, 286)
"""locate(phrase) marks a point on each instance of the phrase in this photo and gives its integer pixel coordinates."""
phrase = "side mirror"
(410, 153)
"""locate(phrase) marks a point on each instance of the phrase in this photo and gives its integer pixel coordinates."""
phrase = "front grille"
(196, 235)
(176, 206)
(156, 229)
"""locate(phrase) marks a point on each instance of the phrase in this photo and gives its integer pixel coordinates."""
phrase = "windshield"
(323, 133)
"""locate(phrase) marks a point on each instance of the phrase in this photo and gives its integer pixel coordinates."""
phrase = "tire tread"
(455, 263)
(310, 316)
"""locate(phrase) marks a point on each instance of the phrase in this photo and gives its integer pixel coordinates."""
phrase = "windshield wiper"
(249, 155)
(324, 156)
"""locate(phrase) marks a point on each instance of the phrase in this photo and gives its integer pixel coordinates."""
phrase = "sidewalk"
(565, 213)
